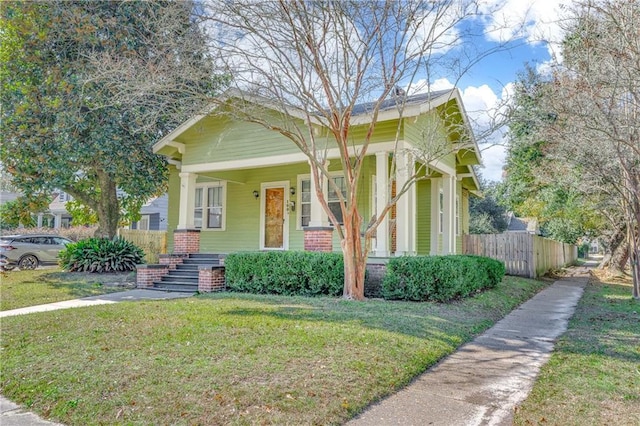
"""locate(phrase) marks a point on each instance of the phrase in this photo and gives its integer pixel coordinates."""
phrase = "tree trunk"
(108, 207)
(616, 247)
(355, 259)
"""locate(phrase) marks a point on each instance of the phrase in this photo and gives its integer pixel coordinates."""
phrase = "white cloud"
(536, 21)
(485, 110)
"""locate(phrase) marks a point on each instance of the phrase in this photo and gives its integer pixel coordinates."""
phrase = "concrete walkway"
(103, 299)
(480, 384)
(483, 381)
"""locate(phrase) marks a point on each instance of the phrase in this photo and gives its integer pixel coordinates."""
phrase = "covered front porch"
(271, 204)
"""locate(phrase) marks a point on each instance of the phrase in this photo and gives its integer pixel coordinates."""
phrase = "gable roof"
(391, 108)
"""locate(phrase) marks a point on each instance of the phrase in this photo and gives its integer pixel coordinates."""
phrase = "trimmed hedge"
(288, 273)
(100, 255)
(440, 278)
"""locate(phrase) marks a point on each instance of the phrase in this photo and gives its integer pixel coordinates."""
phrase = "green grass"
(19, 289)
(593, 376)
(234, 358)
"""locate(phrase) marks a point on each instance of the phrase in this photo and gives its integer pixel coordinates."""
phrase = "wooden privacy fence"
(153, 243)
(525, 255)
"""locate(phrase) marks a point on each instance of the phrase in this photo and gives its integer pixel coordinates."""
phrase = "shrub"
(100, 255)
(285, 272)
(439, 278)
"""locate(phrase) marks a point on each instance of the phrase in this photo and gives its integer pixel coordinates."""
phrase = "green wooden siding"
(423, 217)
(216, 139)
(242, 216)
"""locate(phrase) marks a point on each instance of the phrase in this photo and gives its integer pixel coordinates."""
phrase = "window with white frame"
(209, 206)
(334, 200)
(143, 223)
(304, 198)
(304, 202)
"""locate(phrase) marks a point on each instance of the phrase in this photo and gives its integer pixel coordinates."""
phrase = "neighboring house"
(153, 215)
(527, 225)
(235, 186)
(57, 215)
(6, 196)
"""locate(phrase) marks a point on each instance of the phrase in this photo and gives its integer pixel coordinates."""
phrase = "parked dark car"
(30, 251)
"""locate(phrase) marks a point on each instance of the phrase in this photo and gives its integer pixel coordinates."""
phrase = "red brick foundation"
(210, 278)
(186, 241)
(171, 260)
(147, 274)
(318, 239)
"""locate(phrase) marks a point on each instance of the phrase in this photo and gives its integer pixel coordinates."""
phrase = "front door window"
(274, 218)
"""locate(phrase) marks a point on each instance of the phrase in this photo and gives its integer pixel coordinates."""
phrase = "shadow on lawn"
(83, 284)
(424, 321)
(606, 323)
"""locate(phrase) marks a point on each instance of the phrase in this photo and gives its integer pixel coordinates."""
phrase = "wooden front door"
(274, 218)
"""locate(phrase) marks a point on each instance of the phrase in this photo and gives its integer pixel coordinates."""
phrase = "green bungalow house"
(235, 186)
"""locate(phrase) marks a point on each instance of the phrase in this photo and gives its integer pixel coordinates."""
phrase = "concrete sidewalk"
(103, 299)
(483, 381)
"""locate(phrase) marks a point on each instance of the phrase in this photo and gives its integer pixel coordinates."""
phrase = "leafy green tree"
(65, 125)
(590, 176)
(20, 211)
(487, 216)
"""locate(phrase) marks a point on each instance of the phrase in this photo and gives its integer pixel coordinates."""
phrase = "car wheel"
(28, 262)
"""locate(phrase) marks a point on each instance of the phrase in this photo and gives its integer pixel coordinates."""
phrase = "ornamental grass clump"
(100, 255)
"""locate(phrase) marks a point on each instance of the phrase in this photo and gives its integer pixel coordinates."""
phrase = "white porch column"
(382, 194)
(318, 217)
(39, 220)
(449, 228)
(404, 217)
(187, 200)
(436, 184)
(58, 221)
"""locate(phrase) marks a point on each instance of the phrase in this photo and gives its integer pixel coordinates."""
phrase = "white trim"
(177, 132)
(285, 224)
(279, 160)
(299, 157)
(223, 218)
(299, 180)
(383, 240)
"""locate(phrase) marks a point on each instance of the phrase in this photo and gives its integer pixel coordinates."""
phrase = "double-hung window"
(305, 202)
(209, 207)
(334, 200)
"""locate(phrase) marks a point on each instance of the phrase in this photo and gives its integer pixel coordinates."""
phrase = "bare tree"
(596, 96)
(325, 65)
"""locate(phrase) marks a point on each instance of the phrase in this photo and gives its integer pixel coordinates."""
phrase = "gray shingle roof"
(392, 102)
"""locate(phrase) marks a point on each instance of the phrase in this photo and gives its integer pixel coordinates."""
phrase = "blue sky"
(532, 30)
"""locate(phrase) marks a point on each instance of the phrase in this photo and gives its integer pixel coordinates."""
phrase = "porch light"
(292, 190)
(256, 194)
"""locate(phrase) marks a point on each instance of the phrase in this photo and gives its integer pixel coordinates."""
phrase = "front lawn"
(234, 358)
(19, 289)
(593, 376)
